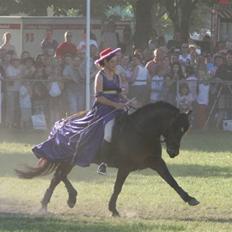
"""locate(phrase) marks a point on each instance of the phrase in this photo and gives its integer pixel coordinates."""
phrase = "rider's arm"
(100, 98)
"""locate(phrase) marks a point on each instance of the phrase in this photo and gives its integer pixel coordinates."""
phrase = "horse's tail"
(42, 168)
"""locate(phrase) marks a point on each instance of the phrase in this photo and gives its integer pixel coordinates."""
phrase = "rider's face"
(111, 64)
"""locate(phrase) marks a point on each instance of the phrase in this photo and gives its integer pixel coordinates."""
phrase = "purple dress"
(79, 139)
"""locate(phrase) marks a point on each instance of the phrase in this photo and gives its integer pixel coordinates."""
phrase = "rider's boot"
(105, 150)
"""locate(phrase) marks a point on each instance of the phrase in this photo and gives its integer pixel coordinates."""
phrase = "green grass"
(147, 203)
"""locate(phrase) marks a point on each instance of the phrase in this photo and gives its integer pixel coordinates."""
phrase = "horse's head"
(174, 132)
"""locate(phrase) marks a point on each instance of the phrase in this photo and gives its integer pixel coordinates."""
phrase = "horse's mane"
(157, 106)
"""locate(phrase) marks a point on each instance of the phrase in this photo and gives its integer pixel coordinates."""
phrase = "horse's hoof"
(72, 201)
(115, 214)
(193, 202)
(43, 211)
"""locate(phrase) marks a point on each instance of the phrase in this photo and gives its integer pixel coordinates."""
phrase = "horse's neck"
(154, 122)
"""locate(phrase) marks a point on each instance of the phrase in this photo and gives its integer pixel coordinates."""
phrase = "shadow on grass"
(27, 223)
(10, 162)
(208, 219)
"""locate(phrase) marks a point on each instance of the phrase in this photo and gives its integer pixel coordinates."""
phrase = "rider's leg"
(105, 149)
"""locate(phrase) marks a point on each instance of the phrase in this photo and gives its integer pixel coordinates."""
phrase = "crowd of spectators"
(191, 75)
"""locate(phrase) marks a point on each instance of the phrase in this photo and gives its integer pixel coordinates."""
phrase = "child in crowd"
(25, 105)
(202, 98)
(191, 79)
(184, 98)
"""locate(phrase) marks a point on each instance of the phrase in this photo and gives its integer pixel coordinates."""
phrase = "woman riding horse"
(68, 137)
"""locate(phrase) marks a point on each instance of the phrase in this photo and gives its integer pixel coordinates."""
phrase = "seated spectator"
(66, 47)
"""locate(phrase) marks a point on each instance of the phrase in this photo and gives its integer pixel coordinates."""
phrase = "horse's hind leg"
(121, 177)
(56, 179)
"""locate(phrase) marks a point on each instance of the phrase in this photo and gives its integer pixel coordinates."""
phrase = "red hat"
(106, 53)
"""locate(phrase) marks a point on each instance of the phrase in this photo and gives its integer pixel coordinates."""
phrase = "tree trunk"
(180, 14)
(143, 18)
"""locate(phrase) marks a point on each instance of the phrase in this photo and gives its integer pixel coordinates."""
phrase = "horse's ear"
(189, 113)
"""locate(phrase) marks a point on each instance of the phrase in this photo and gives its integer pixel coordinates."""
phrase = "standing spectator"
(224, 73)
(67, 46)
(24, 56)
(6, 61)
(82, 45)
(55, 89)
(110, 37)
(28, 69)
(48, 44)
(6, 45)
(139, 80)
(77, 62)
(191, 79)
(123, 69)
(185, 57)
(13, 77)
(72, 78)
(39, 90)
(127, 40)
(156, 62)
(157, 85)
(93, 70)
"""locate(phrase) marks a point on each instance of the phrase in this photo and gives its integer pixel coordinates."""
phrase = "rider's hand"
(119, 105)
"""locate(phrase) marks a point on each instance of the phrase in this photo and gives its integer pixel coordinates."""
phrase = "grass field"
(146, 204)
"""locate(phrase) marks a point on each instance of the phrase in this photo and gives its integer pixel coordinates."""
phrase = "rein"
(94, 123)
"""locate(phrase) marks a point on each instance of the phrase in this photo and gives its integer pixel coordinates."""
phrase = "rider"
(79, 139)
(107, 93)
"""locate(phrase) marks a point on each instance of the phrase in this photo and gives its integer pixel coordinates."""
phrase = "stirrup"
(101, 170)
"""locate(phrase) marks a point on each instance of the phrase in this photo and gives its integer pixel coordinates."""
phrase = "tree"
(180, 12)
(143, 22)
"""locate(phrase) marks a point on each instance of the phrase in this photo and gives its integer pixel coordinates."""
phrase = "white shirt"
(142, 74)
(192, 84)
(12, 72)
(203, 94)
(24, 97)
(82, 45)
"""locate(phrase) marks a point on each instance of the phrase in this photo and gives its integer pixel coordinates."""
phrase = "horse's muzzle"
(173, 152)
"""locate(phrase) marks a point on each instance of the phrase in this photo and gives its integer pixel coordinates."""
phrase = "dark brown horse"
(136, 145)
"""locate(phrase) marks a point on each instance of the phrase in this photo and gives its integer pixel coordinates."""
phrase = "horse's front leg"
(121, 177)
(160, 166)
(72, 193)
